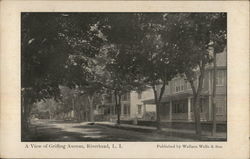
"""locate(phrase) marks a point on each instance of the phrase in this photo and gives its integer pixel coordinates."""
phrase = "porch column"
(144, 109)
(189, 109)
(170, 110)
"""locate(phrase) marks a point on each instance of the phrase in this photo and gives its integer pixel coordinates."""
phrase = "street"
(52, 130)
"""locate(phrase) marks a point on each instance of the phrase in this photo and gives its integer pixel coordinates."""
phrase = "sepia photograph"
(124, 79)
(123, 76)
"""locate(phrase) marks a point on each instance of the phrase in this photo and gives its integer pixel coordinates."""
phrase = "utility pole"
(214, 95)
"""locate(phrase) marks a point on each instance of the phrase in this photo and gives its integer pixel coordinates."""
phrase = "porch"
(178, 107)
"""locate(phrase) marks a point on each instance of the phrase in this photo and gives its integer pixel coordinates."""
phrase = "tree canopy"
(116, 51)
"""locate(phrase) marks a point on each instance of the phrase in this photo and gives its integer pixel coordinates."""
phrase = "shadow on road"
(73, 131)
(70, 131)
(44, 133)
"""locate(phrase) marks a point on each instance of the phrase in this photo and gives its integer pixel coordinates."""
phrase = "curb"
(147, 130)
(166, 133)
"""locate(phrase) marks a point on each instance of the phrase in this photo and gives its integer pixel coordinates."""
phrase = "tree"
(42, 54)
(67, 100)
(84, 78)
(121, 67)
(193, 32)
(145, 59)
(120, 76)
(157, 60)
(218, 44)
(49, 42)
(42, 107)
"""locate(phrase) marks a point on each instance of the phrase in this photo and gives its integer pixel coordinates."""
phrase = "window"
(180, 107)
(139, 109)
(126, 109)
(109, 99)
(188, 85)
(176, 84)
(179, 85)
(220, 78)
(220, 108)
(125, 97)
(182, 87)
(139, 95)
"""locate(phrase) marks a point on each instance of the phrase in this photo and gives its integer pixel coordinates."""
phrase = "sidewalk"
(206, 136)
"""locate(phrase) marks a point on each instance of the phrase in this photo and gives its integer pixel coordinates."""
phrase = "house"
(131, 106)
(110, 110)
(176, 104)
(142, 110)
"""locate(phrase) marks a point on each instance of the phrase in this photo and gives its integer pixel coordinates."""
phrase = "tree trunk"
(158, 104)
(117, 108)
(24, 124)
(196, 99)
(91, 113)
(26, 113)
(25, 118)
(213, 97)
(196, 106)
(158, 118)
(73, 108)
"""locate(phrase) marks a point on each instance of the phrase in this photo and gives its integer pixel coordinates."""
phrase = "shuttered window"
(220, 77)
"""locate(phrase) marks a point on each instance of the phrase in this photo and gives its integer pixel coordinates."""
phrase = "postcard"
(124, 79)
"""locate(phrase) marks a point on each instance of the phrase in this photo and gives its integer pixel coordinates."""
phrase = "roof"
(167, 98)
(178, 96)
(221, 59)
